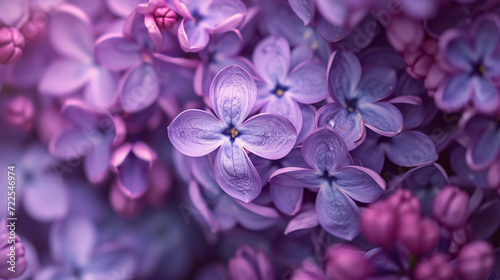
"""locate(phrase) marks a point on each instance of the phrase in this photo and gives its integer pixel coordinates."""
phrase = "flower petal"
(117, 53)
(123, 8)
(382, 117)
(71, 33)
(344, 75)
(271, 58)
(236, 174)
(233, 93)
(304, 9)
(269, 136)
(224, 15)
(200, 205)
(360, 183)
(455, 93)
(306, 219)
(102, 89)
(308, 122)
(347, 124)
(457, 50)
(70, 145)
(192, 37)
(370, 154)
(487, 37)
(486, 96)
(47, 199)
(64, 76)
(286, 107)
(330, 32)
(139, 88)
(96, 163)
(482, 152)
(411, 148)
(337, 213)
(296, 177)
(196, 133)
(287, 200)
(324, 150)
(377, 83)
(308, 82)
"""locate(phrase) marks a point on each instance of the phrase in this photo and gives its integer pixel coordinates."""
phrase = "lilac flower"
(11, 45)
(157, 17)
(472, 61)
(196, 133)
(91, 136)
(76, 69)
(250, 264)
(337, 182)
(283, 88)
(357, 94)
(202, 18)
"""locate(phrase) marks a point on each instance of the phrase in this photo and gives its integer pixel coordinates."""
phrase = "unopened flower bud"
(20, 112)
(379, 224)
(418, 235)
(475, 261)
(450, 207)
(347, 262)
(165, 18)
(436, 267)
(405, 34)
(11, 44)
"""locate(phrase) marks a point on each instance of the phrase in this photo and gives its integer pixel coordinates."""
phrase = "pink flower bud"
(418, 235)
(494, 176)
(436, 267)
(459, 238)
(475, 261)
(450, 207)
(347, 262)
(418, 63)
(165, 18)
(434, 78)
(20, 112)
(379, 224)
(34, 29)
(405, 34)
(403, 201)
(11, 44)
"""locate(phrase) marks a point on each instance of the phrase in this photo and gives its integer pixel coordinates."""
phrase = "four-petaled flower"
(196, 133)
(336, 181)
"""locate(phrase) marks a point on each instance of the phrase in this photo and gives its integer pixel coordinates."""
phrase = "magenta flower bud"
(165, 18)
(11, 252)
(403, 201)
(347, 262)
(436, 267)
(450, 207)
(418, 63)
(494, 176)
(379, 224)
(34, 29)
(434, 78)
(11, 44)
(475, 261)
(20, 112)
(405, 34)
(459, 238)
(419, 236)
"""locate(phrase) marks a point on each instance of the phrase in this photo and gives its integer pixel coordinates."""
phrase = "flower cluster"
(250, 139)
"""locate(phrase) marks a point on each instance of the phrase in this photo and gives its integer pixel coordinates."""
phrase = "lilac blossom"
(282, 87)
(358, 93)
(471, 60)
(337, 182)
(250, 264)
(233, 93)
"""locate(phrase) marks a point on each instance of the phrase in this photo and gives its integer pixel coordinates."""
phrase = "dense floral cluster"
(250, 139)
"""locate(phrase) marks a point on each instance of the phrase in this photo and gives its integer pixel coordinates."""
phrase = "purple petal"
(70, 144)
(153, 31)
(308, 122)
(269, 136)
(229, 43)
(73, 240)
(411, 148)
(486, 97)
(192, 37)
(287, 200)
(377, 83)
(224, 15)
(13, 12)
(455, 93)
(330, 32)
(382, 117)
(241, 269)
(286, 107)
(304, 9)
(236, 174)
(347, 124)
(64, 76)
(102, 90)
(308, 82)
(123, 8)
(225, 212)
(71, 33)
(371, 154)
(97, 161)
(272, 59)
(360, 183)
(196, 133)
(458, 50)
(344, 75)
(324, 150)
(233, 93)
(203, 171)
(117, 53)
(482, 152)
(334, 11)
(412, 110)
(487, 37)
(200, 204)
(132, 175)
(46, 200)
(337, 213)
(80, 114)
(306, 219)
(255, 217)
(296, 177)
(139, 88)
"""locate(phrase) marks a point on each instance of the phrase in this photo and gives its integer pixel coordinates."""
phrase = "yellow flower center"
(279, 92)
(234, 132)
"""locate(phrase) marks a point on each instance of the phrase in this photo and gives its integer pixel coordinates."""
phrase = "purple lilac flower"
(157, 17)
(472, 62)
(358, 93)
(250, 264)
(282, 87)
(233, 93)
(337, 182)
(202, 18)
